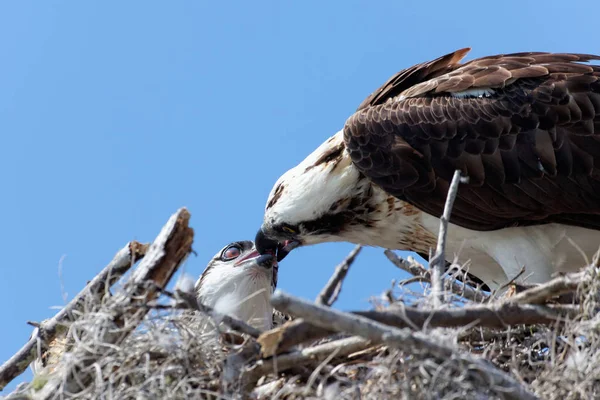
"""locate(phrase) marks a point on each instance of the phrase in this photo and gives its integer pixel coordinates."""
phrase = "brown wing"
(526, 132)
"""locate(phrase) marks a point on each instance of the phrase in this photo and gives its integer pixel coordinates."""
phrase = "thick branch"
(416, 269)
(499, 315)
(331, 291)
(402, 339)
(120, 264)
(168, 251)
(555, 287)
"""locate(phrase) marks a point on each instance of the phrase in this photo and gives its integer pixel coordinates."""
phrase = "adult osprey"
(525, 129)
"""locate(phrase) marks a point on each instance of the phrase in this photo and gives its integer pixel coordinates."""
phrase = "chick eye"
(231, 253)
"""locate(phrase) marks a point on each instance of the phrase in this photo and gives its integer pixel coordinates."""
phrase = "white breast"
(252, 304)
(243, 294)
(498, 256)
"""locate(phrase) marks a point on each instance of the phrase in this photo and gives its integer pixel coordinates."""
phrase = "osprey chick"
(239, 282)
(524, 128)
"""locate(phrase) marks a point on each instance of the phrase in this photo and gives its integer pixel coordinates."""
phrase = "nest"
(132, 346)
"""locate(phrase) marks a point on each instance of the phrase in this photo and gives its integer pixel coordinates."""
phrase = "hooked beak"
(266, 245)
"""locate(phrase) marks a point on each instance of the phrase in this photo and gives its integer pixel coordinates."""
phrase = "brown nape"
(277, 194)
(334, 155)
(527, 136)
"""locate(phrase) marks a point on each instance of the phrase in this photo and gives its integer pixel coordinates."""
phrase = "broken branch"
(402, 339)
(498, 315)
(120, 264)
(168, 251)
(332, 289)
(555, 287)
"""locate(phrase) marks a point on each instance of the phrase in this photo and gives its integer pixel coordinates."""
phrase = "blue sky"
(115, 114)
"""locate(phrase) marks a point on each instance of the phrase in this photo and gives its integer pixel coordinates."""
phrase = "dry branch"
(402, 339)
(499, 315)
(414, 268)
(553, 288)
(332, 289)
(438, 261)
(46, 331)
(168, 251)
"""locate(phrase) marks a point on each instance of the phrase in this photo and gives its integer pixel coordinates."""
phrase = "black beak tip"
(284, 249)
(263, 244)
(266, 245)
(265, 261)
(282, 252)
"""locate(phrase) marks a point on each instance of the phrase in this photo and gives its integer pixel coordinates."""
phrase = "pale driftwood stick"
(497, 315)
(555, 287)
(331, 291)
(403, 339)
(438, 261)
(414, 268)
(46, 330)
(168, 251)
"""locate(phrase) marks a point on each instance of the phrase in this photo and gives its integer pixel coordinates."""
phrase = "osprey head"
(314, 202)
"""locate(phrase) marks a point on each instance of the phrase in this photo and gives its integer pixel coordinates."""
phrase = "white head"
(239, 282)
(320, 200)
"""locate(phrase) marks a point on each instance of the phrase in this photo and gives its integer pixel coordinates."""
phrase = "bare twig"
(331, 291)
(402, 339)
(498, 315)
(438, 261)
(414, 268)
(168, 251)
(555, 287)
(46, 330)
(409, 265)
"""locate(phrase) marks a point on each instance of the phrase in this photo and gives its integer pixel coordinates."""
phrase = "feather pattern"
(525, 128)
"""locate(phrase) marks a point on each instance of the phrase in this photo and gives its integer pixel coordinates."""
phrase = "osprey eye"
(231, 253)
(287, 229)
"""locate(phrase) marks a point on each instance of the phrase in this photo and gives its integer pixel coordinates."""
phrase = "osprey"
(523, 127)
(239, 282)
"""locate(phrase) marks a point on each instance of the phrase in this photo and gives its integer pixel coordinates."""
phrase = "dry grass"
(169, 357)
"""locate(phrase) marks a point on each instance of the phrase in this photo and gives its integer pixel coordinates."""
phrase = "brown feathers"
(524, 127)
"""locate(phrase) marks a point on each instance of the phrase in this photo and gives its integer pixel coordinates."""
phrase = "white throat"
(244, 293)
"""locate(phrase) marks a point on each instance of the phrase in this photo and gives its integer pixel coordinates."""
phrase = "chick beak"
(263, 260)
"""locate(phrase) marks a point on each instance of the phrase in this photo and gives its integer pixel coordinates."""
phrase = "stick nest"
(169, 357)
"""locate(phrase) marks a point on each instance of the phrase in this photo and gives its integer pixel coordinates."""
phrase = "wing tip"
(459, 55)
